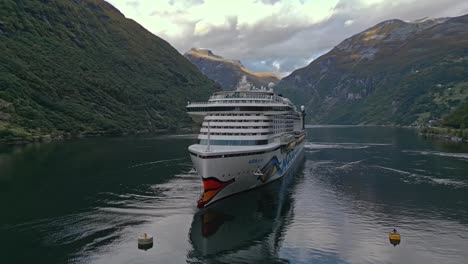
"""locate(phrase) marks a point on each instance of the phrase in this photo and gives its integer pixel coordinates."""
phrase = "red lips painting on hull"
(211, 187)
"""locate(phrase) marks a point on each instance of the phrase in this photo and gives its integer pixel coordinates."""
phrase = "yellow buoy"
(394, 238)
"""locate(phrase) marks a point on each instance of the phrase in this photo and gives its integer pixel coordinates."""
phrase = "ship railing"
(273, 98)
(236, 102)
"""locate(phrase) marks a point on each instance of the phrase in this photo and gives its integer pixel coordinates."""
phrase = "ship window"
(233, 142)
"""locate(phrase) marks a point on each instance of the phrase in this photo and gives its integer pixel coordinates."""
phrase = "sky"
(273, 35)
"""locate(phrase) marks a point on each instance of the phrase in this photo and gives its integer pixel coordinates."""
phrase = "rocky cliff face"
(227, 72)
(395, 72)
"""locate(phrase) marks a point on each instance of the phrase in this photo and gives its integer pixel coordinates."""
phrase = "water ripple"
(463, 156)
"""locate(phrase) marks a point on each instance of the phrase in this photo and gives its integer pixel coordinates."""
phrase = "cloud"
(133, 4)
(270, 2)
(284, 35)
(348, 22)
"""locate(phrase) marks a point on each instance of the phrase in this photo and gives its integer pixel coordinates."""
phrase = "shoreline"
(58, 136)
(445, 133)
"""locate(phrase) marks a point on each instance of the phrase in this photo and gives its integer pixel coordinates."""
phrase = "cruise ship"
(248, 138)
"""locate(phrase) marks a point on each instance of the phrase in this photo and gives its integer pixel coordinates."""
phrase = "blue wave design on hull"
(274, 165)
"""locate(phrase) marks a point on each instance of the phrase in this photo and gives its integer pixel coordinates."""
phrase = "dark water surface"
(86, 201)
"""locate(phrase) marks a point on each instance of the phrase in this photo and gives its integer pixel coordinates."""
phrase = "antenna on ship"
(208, 145)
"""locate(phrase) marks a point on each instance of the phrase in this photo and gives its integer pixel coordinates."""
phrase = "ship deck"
(222, 149)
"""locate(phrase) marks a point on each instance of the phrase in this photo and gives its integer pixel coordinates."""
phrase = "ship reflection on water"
(251, 224)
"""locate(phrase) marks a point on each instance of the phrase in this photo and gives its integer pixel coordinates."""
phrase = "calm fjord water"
(85, 201)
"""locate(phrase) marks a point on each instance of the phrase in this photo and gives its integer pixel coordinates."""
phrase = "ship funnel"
(244, 85)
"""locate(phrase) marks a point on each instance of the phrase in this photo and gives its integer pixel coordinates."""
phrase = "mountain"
(81, 67)
(458, 118)
(227, 72)
(395, 72)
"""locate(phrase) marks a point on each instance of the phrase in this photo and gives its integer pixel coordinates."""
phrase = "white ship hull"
(226, 175)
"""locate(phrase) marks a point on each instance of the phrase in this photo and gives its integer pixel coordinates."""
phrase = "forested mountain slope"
(74, 67)
(395, 72)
